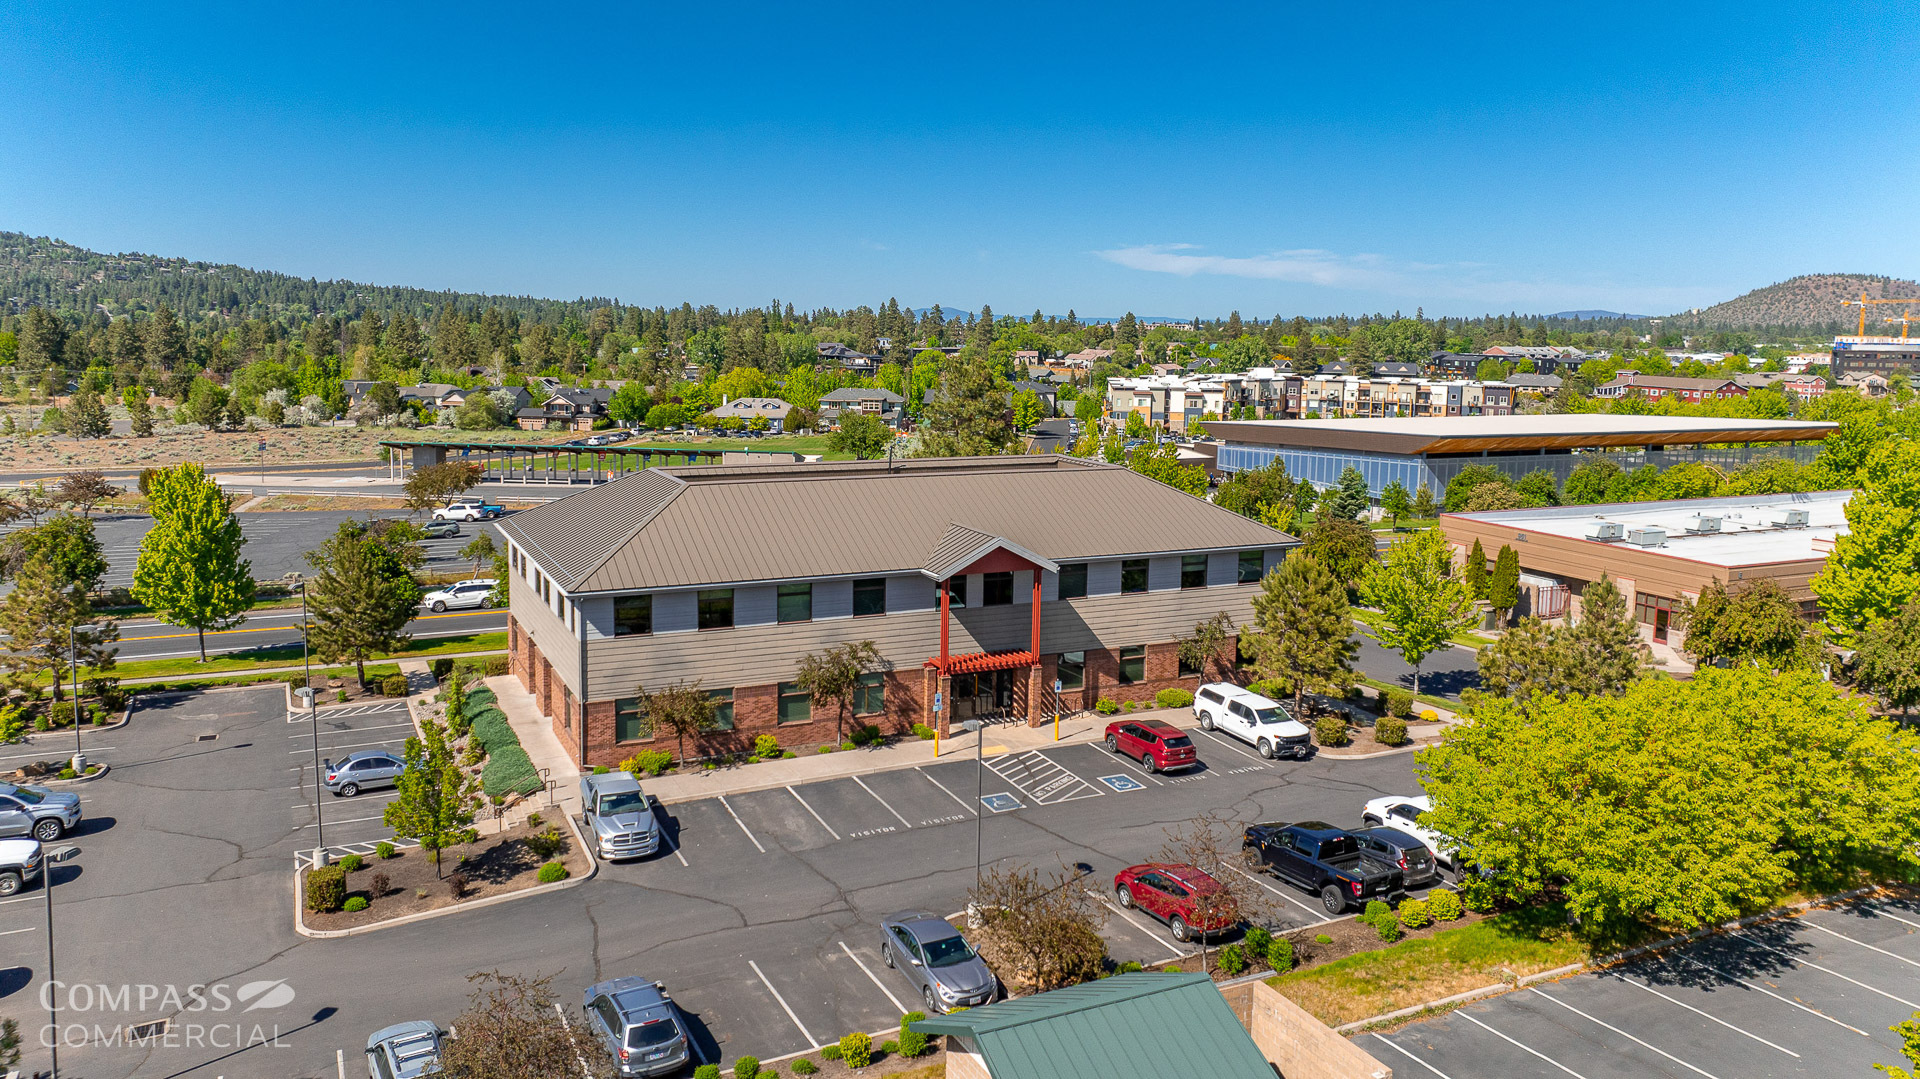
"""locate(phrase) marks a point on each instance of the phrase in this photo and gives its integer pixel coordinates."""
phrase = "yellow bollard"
(1056, 726)
(936, 743)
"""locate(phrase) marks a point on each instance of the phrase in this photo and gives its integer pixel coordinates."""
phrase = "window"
(629, 723)
(1193, 571)
(1072, 670)
(796, 706)
(722, 708)
(956, 592)
(1133, 664)
(716, 608)
(1187, 669)
(1133, 575)
(870, 696)
(996, 590)
(632, 615)
(1073, 581)
(869, 597)
(1252, 567)
(796, 603)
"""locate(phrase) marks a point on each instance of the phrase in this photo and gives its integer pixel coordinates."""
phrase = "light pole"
(313, 724)
(48, 857)
(979, 729)
(73, 662)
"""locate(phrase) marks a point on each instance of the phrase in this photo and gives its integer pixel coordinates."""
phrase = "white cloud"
(1307, 266)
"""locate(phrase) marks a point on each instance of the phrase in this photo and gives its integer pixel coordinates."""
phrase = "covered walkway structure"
(567, 462)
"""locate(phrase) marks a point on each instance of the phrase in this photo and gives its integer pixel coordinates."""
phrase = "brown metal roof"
(1471, 434)
(963, 546)
(677, 527)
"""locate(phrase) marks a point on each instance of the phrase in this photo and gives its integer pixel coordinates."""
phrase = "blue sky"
(1165, 160)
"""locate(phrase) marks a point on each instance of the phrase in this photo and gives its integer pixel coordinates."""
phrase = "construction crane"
(1905, 320)
(1862, 303)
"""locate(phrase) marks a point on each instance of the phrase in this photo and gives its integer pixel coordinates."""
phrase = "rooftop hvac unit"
(1788, 518)
(1647, 537)
(1606, 531)
(1701, 523)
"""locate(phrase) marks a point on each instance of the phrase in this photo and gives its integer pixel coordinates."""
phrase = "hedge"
(509, 770)
(490, 726)
(481, 697)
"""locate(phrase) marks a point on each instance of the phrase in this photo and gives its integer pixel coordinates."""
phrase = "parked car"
(468, 508)
(619, 817)
(1320, 858)
(1261, 723)
(403, 1050)
(19, 864)
(360, 771)
(937, 960)
(439, 527)
(1180, 895)
(1418, 867)
(477, 592)
(1403, 813)
(1158, 745)
(36, 811)
(639, 1024)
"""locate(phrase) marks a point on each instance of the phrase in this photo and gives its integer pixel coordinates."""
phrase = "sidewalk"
(536, 736)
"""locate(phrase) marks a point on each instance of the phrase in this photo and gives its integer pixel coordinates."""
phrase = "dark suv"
(1416, 862)
(1158, 745)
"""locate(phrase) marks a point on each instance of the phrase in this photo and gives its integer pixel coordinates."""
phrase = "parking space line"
(363, 798)
(812, 1042)
(1862, 943)
(1774, 995)
(948, 793)
(1276, 891)
(350, 730)
(882, 801)
(331, 749)
(1706, 1015)
(1235, 746)
(674, 847)
(876, 982)
(1177, 953)
(11, 932)
(24, 756)
(743, 828)
(350, 820)
(1882, 912)
(1396, 1045)
(1810, 963)
(1620, 1032)
(816, 815)
(1131, 763)
(1462, 1013)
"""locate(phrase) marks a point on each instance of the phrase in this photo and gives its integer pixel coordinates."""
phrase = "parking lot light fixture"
(313, 724)
(48, 857)
(979, 729)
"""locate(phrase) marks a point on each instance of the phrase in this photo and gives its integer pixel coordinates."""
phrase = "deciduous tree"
(189, 568)
(432, 485)
(514, 1028)
(480, 548)
(1421, 602)
(861, 435)
(1755, 623)
(1888, 657)
(84, 490)
(1249, 491)
(682, 710)
(1039, 931)
(832, 676)
(1209, 641)
(437, 799)
(66, 543)
(1394, 500)
(1162, 462)
(1344, 546)
(1302, 629)
(1875, 565)
(1210, 843)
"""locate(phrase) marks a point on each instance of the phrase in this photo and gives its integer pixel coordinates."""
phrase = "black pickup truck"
(1321, 858)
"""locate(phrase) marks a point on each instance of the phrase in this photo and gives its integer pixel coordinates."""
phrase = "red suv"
(1189, 901)
(1156, 744)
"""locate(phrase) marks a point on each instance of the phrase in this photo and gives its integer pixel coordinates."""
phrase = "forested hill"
(1808, 302)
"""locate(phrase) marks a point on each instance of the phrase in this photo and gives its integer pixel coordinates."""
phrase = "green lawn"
(138, 609)
(289, 656)
(1371, 619)
(1423, 698)
(375, 672)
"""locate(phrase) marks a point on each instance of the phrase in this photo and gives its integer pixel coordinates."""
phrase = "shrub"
(765, 745)
(509, 771)
(355, 905)
(1331, 730)
(545, 845)
(1280, 955)
(1257, 940)
(1443, 904)
(489, 726)
(1106, 706)
(1173, 698)
(379, 885)
(803, 1066)
(1428, 715)
(863, 736)
(1128, 967)
(1399, 703)
(1127, 706)
(1477, 895)
(457, 885)
(496, 666)
(394, 685)
(1383, 920)
(1390, 731)
(1414, 914)
(650, 761)
(66, 773)
(746, 1068)
(788, 755)
(707, 1071)
(341, 697)
(830, 1052)
(828, 749)
(1233, 960)
(384, 849)
(534, 820)
(1322, 938)
(856, 1049)
(1375, 908)
(552, 872)
(441, 668)
(889, 1048)
(912, 1042)
(352, 863)
(326, 889)
(923, 732)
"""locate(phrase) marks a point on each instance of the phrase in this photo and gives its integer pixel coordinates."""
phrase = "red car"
(1188, 900)
(1158, 746)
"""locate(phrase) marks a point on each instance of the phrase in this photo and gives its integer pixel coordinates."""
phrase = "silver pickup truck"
(620, 819)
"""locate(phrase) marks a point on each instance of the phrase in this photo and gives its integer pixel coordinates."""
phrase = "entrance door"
(1003, 692)
(1660, 620)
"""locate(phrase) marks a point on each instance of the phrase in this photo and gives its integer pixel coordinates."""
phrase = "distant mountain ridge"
(1810, 300)
(1593, 314)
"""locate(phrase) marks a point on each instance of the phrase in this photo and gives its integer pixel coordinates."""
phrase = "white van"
(1255, 720)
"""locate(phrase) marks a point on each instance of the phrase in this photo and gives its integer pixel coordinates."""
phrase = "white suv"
(1403, 812)
(474, 593)
(1255, 720)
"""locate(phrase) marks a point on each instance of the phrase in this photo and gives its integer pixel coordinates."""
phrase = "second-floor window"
(1133, 575)
(1073, 581)
(869, 596)
(1252, 567)
(796, 603)
(632, 615)
(956, 591)
(1193, 571)
(716, 608)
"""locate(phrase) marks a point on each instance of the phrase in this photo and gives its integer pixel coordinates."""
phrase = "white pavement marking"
(672, 846)
(1774, 995)
(1810, 963)
(308, 735)
(1620, 1032)
(11, 932)
(816, 815)
(1177, 953)
(1274, 890)
(24, 756)
(350, 820)
(331, 749)
(1235, 746)
(903, 1009)
(882, 801)
(1415, 1059)
(1862, 943)
(1136, 767)
(743, 828)
(340, 1063)
(1706, 1015)
(1519, 1045)
(362, 798)
(812, 1042)
(950, 794)
(1059, 785)
(1882, 912)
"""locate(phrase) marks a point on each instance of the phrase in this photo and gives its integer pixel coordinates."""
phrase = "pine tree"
(1476, 570)
(189, 568)
(362, 595)
(87, 417)
(166, 340)
(1423, 503)
(1528, 661)
(1302, 629)
(1347, 500)
(141, 414)
(1503, 587)
(1604, 651)
(968, 417)
(49, 625)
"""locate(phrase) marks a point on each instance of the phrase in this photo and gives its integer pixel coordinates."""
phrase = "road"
(1444, 673)
(149, 639)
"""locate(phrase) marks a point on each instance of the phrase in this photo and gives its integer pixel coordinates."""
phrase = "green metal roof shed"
(1130, 1026)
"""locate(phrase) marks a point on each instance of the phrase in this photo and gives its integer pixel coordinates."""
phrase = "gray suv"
(36, 811)
(937, 959)
(359, 771)
(618, 816)
(639, 1024)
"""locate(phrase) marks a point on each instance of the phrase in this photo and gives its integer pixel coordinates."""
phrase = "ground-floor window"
(796, 704)
(870, 696)
(629, 722)
(1655, 611)
(722, 708)
(1188, 669)
(1072, 671)
(1133, 664)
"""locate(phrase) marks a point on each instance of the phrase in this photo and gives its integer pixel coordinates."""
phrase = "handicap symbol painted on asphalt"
(1123, 783)
(1000, 803)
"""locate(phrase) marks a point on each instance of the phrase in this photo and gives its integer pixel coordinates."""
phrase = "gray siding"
(1163, 572)
(832, 599)
(753, 605)
(915, 593)
(674, 612)
(1103, 579)
(1223, 567)
(549, 634)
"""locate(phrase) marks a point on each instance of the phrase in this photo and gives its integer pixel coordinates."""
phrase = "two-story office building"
(980, 581)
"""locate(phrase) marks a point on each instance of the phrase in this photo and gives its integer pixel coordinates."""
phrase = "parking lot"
(1806, 996)
(350, 825)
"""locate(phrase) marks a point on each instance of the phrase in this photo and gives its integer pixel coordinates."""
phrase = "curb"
(103, 770)
(299, 900)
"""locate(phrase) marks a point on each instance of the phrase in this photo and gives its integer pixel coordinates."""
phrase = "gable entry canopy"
(963, 550)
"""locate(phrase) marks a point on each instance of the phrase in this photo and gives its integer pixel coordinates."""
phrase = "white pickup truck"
(1402, 812)
(1255, 720)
